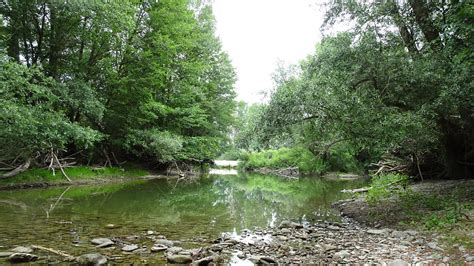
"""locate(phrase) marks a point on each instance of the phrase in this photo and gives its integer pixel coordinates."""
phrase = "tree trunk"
(405, 31)
(423, 19)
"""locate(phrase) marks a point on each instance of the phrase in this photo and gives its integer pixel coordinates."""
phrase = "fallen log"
(23, 167)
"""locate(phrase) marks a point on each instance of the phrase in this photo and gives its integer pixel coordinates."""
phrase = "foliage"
(397, 82)
(147, 81)
(284, 158)
(383, 186)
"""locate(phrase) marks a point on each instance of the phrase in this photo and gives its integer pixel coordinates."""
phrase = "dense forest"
(102, 82)
(393, 93)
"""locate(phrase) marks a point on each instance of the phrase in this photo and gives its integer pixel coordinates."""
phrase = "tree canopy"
(146, 81)
(399, 82)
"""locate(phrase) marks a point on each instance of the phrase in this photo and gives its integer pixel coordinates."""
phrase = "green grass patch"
(74, 173)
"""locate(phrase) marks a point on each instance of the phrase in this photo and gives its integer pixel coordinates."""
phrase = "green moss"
(74, 173)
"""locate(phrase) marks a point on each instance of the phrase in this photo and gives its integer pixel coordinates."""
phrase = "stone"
(411, 232)
(158, 248)
(329, 248)
(434, 246)
(399, 234)
(378, 231)
(21, 249)
(111, 226)
(469, 258)
(267, 260)
(282, 238)
(204, 261)
(341, 254)
(91, 259)
(179, 259)
(174, 250)
(216, 247)
(5, 254)
(289, 224)
(164, 242)
(22, 257)
(334, 228)
(398, 262)
(102, 242)
(129, 248)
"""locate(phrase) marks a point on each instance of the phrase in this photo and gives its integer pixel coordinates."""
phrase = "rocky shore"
(290, 243)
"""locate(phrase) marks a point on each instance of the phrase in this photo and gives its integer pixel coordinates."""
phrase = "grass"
(445, 214)
(38, 175)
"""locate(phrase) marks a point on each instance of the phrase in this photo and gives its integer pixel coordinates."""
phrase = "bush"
(284, 158)
(382, 186)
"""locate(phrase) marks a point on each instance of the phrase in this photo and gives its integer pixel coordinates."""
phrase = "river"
(198, 211)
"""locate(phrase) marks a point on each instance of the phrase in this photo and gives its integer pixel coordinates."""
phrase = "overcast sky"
(258, 33)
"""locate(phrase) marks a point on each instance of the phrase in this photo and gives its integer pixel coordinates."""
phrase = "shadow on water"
(206, 208)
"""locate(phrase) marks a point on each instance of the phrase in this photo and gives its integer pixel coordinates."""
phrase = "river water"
(67, 218)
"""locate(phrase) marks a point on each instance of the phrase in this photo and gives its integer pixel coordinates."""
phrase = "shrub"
(382, 186)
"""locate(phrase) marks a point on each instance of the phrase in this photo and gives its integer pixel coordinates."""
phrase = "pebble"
(158, 248)
(102, 242)
(129, 248)
(398, 262)
(341, 255)
(91, 259)
(164, 242)
(434, 246)
(179, 259)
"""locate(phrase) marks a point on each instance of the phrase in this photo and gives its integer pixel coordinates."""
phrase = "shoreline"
(81, 182)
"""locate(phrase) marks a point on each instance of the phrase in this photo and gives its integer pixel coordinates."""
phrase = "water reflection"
(205, 208)
(223, 172)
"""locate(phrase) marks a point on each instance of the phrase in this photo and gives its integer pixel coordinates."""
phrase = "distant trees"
(147, 81)
(399, 83)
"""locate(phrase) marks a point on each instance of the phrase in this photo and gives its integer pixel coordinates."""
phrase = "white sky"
(258, 33)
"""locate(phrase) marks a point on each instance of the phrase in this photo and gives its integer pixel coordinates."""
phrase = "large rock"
(102, 242)
(174, 250)
(179, 259)
(22, 257)
(164, 242)
(21, 249)
(91, 259)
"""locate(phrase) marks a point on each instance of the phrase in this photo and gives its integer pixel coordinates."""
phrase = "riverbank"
(289, 243)
(443, 208)
(82, 175)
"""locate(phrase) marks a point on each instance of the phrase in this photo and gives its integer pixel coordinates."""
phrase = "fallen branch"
(61, 167)
(23, 167)
(57, 252)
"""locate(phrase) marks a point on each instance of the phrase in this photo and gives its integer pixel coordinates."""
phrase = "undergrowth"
(302, 158)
